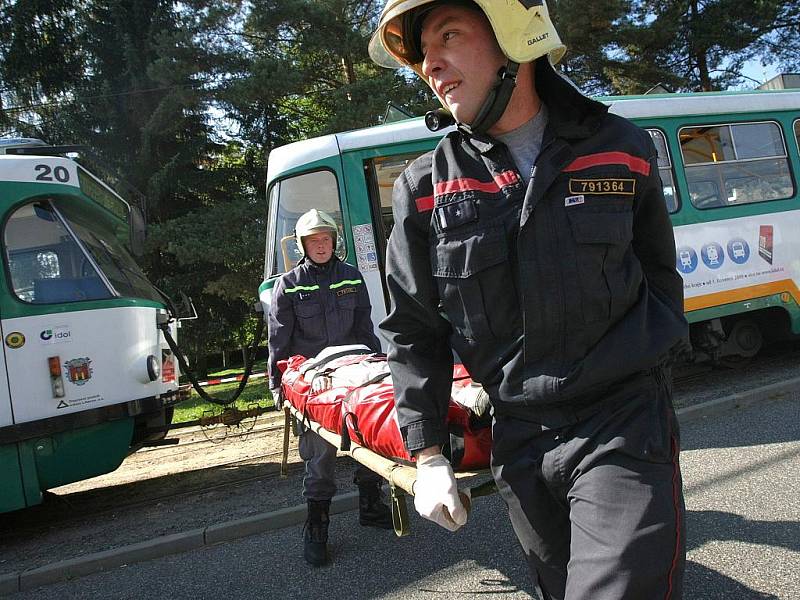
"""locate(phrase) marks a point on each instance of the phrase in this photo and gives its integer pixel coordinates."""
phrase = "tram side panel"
(741, 260)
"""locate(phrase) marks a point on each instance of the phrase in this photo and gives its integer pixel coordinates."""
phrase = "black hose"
(248, 366)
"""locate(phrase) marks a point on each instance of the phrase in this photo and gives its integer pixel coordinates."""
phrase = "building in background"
(784, 81)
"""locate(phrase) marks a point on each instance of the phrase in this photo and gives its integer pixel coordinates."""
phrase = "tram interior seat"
(66, 289)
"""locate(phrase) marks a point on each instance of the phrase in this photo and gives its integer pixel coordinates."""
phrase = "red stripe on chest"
(634, 163)
(467, 184)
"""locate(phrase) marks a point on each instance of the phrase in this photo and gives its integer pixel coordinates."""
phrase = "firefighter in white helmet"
(534, 241)
(322, 302)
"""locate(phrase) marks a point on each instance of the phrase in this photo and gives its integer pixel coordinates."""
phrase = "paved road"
(743, 498)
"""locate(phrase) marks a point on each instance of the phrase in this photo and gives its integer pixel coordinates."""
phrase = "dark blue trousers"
(598, 506)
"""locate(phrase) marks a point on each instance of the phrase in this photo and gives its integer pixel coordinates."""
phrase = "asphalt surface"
(740, 469)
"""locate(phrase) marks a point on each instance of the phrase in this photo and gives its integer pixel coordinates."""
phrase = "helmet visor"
(391, 46)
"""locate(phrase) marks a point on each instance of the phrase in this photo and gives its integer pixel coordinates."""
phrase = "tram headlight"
(153, 368)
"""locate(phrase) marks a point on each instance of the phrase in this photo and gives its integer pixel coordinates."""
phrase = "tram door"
(381, 173)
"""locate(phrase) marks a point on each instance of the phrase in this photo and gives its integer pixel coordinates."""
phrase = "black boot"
(315, 533)
(372, 512)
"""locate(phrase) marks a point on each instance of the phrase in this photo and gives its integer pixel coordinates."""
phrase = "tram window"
(756, 140)
(385, 170)
(665, 170)
(797, 133)
(701, 145)
(738, 163)
(45, 262)
(104, 238)
(288, 199)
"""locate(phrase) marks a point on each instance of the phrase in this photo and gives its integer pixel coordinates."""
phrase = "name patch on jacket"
(573, 200)
(344, 291)
(456, 213)
(626, 187)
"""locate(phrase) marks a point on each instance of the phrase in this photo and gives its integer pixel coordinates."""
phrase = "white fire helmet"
(311, 222)
(522, 27)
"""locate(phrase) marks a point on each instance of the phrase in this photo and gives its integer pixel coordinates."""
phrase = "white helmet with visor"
(523, 30)
(311, 222)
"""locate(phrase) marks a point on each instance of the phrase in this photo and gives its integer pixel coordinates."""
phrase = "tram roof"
(296, 154)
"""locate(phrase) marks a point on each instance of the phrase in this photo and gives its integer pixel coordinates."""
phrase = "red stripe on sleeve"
(634, 163)
(424, 204)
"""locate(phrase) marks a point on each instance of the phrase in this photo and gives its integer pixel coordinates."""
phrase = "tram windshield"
(59, 250)
(104, 238)
(288, 199)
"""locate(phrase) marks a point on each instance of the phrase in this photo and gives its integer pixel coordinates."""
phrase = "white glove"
(436, 494)
(320, 383)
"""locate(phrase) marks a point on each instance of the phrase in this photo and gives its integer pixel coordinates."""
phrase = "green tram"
(89, 375)
(729, 163)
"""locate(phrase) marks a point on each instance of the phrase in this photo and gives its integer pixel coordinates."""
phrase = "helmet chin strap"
(496, 100)
(490, 111)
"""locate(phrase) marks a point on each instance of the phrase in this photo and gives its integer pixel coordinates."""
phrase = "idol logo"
(55, 335)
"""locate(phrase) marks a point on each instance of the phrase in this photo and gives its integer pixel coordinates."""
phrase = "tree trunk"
(349, 72)
(699, 54)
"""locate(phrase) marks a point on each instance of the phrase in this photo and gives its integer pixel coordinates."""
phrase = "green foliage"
(696, 45)
(781, 44)
(255, 394)
(305, 71)
(594, 34)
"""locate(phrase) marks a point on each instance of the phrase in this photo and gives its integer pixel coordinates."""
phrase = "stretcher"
(354, 411)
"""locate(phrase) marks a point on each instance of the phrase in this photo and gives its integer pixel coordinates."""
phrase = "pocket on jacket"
(345, 316)
(308, 315)
(475, 282)
(603, 241)
(347, 301)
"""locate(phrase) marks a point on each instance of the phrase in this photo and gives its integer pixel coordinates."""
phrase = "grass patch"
(259, 367)
(256, 393)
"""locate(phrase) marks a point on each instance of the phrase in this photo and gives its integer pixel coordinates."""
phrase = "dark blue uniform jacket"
(316, 306)
(549, 294)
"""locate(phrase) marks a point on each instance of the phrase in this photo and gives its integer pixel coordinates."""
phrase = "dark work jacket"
(550, 294)
(315, 306)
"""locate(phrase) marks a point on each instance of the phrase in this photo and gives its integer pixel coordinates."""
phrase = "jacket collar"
(317, 268)
(571, 115)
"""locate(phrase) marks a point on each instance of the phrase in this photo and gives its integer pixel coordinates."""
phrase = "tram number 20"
(45, 173)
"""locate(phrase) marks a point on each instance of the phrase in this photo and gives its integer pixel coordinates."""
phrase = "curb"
(294, 515)
(774, 391)
(164, 546)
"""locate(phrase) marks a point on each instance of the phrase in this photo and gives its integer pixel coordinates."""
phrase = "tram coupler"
(397, 497)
